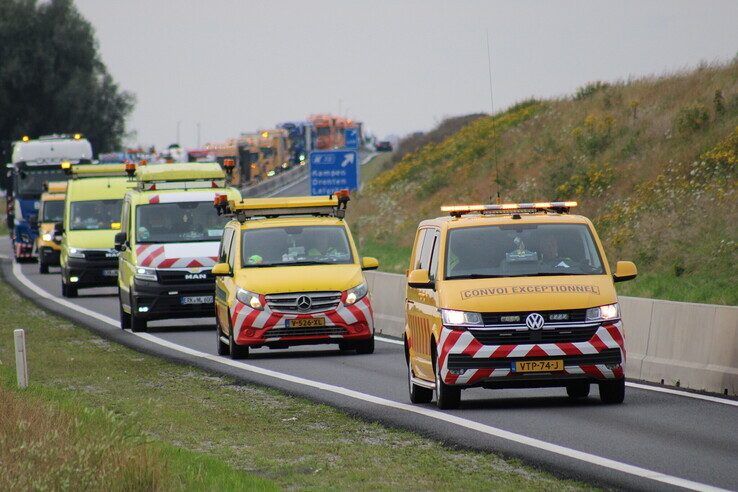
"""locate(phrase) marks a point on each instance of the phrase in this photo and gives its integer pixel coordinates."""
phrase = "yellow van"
(289, 274)
(512, 296)
(91, 218)
(169, 243)
(50, 212)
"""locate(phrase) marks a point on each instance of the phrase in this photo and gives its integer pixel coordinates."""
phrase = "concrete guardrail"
(675, 343)
(271, 184)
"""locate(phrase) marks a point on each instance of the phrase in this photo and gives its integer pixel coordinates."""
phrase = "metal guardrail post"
(21, 363)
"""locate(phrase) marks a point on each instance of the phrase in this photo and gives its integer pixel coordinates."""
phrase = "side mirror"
(120, 241)
(624, 270)
(369, 263)
(420, 279)
(221, 270)
(58, 231)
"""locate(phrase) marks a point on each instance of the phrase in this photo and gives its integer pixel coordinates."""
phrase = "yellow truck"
(289, 273)
(91, 219)
(50, 212)
(512, 296)
(168, 242)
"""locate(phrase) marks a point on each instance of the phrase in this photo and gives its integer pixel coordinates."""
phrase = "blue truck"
(35, 162)
(301, 137)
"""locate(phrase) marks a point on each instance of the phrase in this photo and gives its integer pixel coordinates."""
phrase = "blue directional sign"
(351, 138)
(333, 170)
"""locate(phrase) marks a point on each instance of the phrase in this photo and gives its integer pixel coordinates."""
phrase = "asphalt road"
(655, 440)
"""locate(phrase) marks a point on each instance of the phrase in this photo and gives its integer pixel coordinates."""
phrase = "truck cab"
(168, 243)
(91, 219)
(50, 213)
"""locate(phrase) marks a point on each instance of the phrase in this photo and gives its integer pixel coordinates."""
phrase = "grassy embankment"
(653, 162)
(100, 416)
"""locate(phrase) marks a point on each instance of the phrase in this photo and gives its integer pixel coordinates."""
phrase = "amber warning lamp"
(130, 169)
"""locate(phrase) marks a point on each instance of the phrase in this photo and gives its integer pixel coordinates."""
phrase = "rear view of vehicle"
(51, 212)
(289, 274)
(169, 242)
(35, 162)
(91, 219)
(513, 296)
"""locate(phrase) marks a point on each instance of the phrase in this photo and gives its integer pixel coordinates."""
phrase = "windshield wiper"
(291, 263)
(474, 275)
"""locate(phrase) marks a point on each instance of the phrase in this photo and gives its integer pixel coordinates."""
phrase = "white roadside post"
(21, 364)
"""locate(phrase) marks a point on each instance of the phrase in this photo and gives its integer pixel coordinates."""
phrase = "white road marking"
(389, 340)
(427, 412)
(670, 391)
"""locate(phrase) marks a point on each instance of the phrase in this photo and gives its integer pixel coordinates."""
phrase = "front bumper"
(165, 301)
(464, 361)
(269, 328)
(91, 273)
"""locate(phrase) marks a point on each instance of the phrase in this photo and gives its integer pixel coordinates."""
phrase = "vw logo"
(534, 321)
(304, 303)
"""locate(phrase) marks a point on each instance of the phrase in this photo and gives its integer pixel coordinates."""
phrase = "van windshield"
(53, 211)
(295, 245)
(93, 215)
(181, 222)
(522, 251)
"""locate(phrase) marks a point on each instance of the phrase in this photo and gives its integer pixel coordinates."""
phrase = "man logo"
(195, 276)
(534, 321)
(304, 303)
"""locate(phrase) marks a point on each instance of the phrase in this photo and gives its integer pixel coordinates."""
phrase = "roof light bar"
(458, 210)
(253, 208)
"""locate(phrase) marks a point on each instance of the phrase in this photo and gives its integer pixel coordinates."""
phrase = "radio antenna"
(494, 120)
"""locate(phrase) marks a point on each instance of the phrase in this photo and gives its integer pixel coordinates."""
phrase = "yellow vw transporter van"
(50, 213)
(91, 218)
(289, 274)
(512, 296)
(169, 242)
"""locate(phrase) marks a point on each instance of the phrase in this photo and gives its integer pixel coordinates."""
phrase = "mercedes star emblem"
(304, 303)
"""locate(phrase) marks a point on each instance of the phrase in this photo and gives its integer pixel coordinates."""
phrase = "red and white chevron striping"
(154, 256)
(244, 317)
(463, 342)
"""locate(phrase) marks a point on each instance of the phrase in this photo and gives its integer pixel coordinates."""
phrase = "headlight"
(146, 273)
(356, 293)
(603, 313)
(460, 318)
(250, 299)
(76, 253)
(47, 237)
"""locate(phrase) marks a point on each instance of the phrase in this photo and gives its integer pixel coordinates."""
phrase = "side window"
(225, 246)
(232, 252)
(425, 252)
(434, 255)
(418, 249)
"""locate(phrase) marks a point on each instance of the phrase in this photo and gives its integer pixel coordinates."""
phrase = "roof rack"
(78, 171)
(509, 208)
(180, 176)
(333, 205)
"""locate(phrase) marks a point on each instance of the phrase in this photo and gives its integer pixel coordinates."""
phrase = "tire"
(43, 267)
(418, 394)
(137, 323)
(365, 347)
(447, 397)
(612, 392)
(69, 290)
(125, 318)
(237, 351)
(223, 348)
(577, 390)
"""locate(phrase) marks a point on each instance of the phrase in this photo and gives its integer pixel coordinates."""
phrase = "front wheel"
(447, 397)
(612, 392)
(69, 290)
(223, 347)
(43, 267)
(365, 347)
(125, 318)
(237, 351)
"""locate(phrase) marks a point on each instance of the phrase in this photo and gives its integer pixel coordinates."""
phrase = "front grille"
(570, 333)
(101, 255)
(460, 361)
(305, 332)
(288, 303)
(169, 277)
(565, 316)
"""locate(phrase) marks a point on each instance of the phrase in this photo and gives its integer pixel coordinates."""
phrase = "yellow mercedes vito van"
(512, 296)
(50, 212)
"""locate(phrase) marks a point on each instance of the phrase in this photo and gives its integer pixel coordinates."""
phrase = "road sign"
(351, 137)
(333, 170)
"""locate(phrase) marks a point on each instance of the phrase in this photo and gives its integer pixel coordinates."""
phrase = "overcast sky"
(399, 66)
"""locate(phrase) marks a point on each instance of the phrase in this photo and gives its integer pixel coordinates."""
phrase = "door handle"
(409, 301)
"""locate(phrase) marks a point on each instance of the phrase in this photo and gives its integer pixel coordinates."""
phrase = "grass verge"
(376, 165)
(172, 427)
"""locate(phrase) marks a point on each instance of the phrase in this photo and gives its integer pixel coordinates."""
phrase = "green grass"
(392, 258)
(376, 165)
(205, 431)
